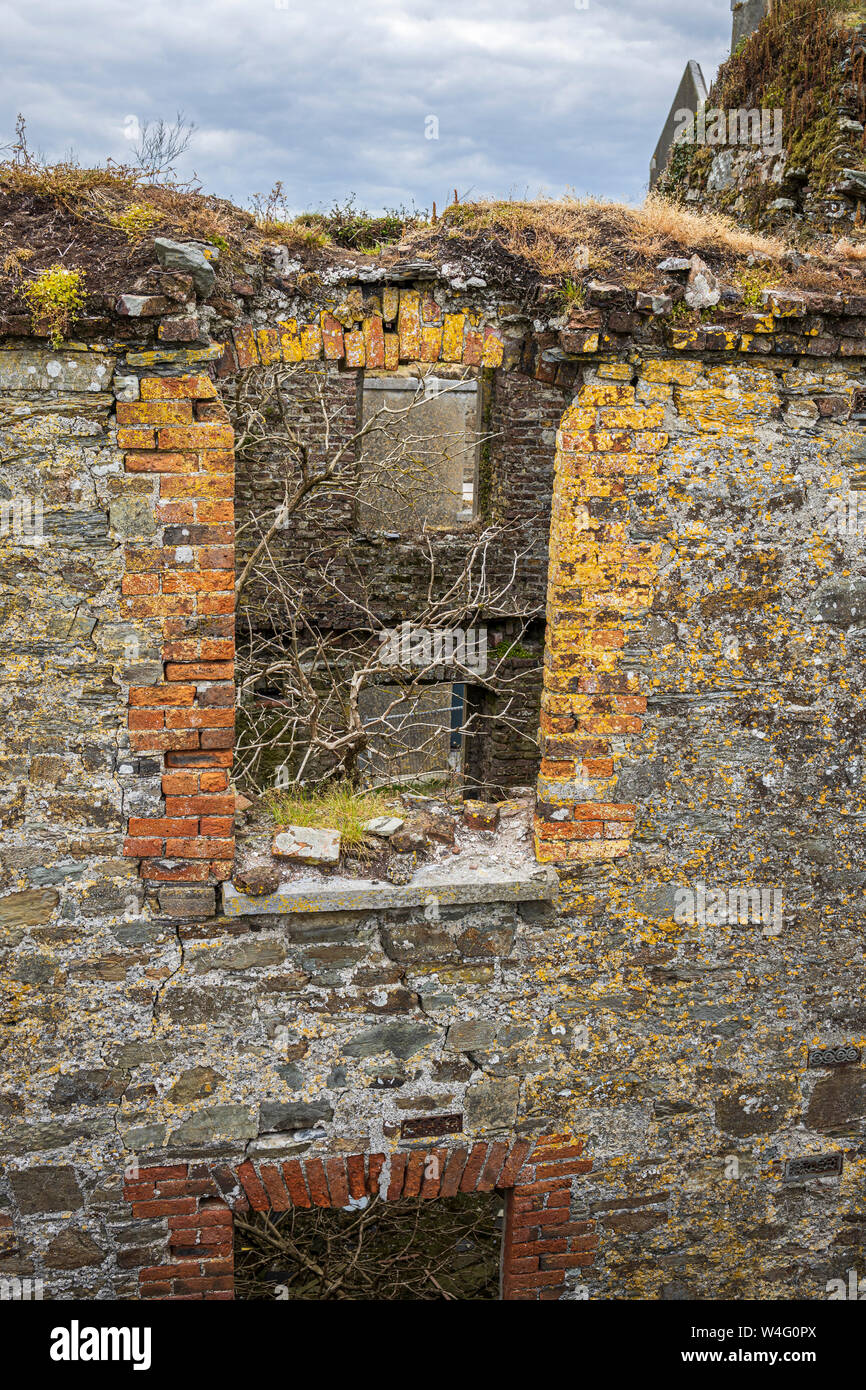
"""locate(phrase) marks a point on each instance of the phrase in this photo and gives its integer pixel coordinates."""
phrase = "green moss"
(753, 283)
(510, 648)
(54, 299)
(136, 222)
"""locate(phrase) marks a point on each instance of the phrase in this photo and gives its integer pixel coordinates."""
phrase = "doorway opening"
(410, 1250)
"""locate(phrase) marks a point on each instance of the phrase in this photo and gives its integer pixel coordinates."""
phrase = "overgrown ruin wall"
(702, 731)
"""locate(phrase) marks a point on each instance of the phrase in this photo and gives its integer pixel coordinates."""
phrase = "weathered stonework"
(701, 725)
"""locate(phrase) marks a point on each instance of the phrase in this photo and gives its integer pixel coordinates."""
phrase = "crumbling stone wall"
(741, 622)
(685, 1060)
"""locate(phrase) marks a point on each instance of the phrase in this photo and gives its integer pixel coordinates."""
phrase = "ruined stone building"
(647, 1032)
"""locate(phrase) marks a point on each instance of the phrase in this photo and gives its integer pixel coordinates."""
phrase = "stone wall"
(706, 563)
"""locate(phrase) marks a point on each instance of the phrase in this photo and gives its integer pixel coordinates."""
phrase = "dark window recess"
(458, 715)
(409, 1251)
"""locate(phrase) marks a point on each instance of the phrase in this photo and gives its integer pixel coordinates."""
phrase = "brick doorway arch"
(542, 1247)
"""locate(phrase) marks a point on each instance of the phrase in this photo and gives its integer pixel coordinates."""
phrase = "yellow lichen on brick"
(409, 325)
(290, 342)
(390, 303)
(452, 338)
(311, 342)
(268, 343)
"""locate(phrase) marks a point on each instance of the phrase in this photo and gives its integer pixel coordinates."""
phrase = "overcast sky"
(335, 96)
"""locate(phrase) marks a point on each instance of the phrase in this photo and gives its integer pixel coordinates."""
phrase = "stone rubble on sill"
(481, 866)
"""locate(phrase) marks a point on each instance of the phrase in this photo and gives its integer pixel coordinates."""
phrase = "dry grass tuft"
(563, 238)
(703, 231)
(850, 250)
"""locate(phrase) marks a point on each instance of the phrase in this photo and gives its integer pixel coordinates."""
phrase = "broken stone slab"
(653, 303)
(856, 179)
(674, 265)
(307, 845)
(479, 885)
(409, 839)
(434, 826)
(141, 306)
(189, 257)
(383, 826)
(481, 815)
(703, 288)
(257, 882)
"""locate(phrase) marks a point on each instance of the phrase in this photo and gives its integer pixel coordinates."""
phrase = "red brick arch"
(542, 1244)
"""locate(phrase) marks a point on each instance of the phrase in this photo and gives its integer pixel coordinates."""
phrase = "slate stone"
(28, 909)
(187, 257)
(132, 517)
(73, 1249)
(402, 1040)
(291, 1075)
(257, 882)
(838, 1102)
(213, 1123)
(842, 604)
(279, 1117)
(50, 1187)
(91, 1086)
(491, 1104)
(225, 1007)
(194, 1084)
(242, 955)
(755, 1109)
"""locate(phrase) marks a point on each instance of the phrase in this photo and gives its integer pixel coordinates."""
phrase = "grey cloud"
(333, 98)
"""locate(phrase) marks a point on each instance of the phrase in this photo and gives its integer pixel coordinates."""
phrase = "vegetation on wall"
(55, 298)
(793, 62)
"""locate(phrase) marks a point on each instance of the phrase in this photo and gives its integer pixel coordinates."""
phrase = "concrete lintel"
(536, 886)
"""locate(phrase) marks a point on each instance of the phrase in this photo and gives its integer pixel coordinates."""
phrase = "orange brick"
(160, 606)
(216, 603)
(216, 461)
(154, 413)
(157, 462)
(180, 784)
(194, 582)
(162, 826)
(146, 719)
(136, 439)
(200, 719)
(162, 694)
(199, 670)
(211, 513)
(217, 487)
(604, 810)
(164, 388)
(139, 584)
(199, 805)
(556, 768)
(135, 848)
(214, 781)
(200, 848)
(197, 437)
(598, 767)
(571, 830)
(161, 742)
(217, 825)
